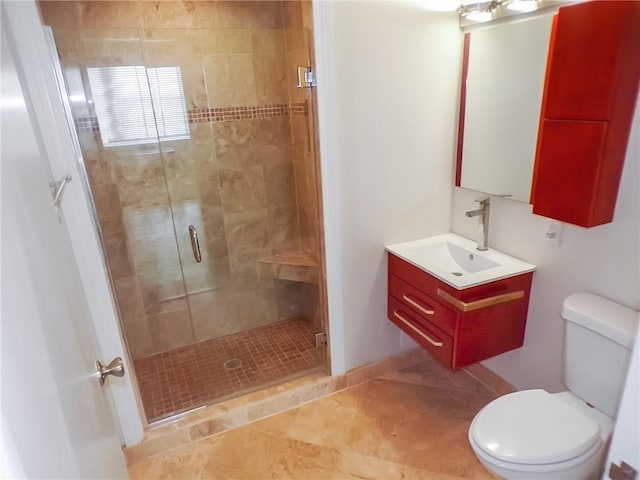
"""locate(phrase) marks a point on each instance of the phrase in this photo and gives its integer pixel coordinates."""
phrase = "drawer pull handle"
(433, 342)
(478, 304)
(413, 303)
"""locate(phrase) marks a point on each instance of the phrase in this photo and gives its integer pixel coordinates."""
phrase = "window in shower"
(137, 105)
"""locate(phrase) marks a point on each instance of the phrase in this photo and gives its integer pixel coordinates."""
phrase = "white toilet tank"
(598, 343)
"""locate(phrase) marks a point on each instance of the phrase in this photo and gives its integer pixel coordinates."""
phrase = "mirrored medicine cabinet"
(501, 96)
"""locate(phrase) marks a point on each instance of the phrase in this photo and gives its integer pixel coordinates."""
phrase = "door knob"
(116, 368)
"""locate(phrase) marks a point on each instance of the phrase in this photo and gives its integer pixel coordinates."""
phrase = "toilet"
(533, 434)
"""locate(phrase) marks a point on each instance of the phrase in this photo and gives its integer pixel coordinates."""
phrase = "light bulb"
(477, 11)
(479, 16)
(523, 5)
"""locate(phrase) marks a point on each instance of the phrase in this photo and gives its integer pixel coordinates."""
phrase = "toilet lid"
(532, 427)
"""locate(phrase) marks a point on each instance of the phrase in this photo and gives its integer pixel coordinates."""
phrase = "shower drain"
(233, 364)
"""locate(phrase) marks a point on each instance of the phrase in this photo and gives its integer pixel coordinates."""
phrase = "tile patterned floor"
(188, 377)
(410, 424)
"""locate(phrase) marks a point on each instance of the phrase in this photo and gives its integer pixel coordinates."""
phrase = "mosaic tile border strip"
(203, 115)
(220, 114)
(300, 109)
(87, 124)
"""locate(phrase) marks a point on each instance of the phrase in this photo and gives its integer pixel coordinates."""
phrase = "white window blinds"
(137, 105)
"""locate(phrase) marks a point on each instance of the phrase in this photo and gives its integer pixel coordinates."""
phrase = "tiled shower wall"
(246, 178)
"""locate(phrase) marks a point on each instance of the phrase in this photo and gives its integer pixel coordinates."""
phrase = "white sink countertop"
(456, 261)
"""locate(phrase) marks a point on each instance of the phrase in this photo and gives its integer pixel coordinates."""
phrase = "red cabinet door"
(585, 58)
(566, 178)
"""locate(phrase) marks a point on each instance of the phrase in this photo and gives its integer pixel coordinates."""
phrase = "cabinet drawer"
(424, 306)
(412, 275)
(426, 334)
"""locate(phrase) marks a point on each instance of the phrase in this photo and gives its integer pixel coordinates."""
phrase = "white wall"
(388, 76)
(625, 444)
(604, 260)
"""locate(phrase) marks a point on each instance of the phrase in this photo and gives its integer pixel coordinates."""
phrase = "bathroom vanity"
(462, 305)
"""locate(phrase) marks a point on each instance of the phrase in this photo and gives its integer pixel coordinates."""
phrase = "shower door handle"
(195, 245)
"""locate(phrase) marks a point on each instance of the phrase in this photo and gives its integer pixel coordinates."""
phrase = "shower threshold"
(215, 370)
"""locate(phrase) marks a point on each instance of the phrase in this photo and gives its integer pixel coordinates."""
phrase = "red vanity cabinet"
(591, 87)
(459, 327)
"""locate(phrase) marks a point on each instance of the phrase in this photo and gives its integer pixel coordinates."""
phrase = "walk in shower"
(200, 152)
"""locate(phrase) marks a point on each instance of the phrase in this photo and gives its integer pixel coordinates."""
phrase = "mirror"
(500, 106)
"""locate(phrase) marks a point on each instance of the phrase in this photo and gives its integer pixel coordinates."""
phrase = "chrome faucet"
(483, 225)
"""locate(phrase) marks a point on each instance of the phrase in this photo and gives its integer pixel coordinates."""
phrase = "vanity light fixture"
(522, 5)
(478, 11)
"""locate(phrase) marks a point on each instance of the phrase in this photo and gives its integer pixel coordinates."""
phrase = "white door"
(56, 421)
(35, 61)
(625, 446)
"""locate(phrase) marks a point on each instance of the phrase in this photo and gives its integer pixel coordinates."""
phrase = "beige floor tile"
(359, 466)
(391, 399)
(277, 424)
(250, 454)
(185, 462)
(412, 473)
(326, 422)
(242, 453)
(400, 399)
(381, 436)
(446, 403)
(432, 373)
(302, 460)
(440, 445)
(410, 425)
(356, 396)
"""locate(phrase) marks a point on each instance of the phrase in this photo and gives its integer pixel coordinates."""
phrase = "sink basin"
(456, 261)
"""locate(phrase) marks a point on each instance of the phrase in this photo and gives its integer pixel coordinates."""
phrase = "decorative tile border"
(87, 124)
(220, 114)
(300, 109)
(216, 114)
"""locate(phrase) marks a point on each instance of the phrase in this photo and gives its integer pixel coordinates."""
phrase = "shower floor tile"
(184, 378)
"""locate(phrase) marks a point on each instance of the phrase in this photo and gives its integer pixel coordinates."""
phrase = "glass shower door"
(125, 113)
(134, 107)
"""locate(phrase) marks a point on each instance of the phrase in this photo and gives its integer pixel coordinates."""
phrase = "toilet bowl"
(537, 435)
